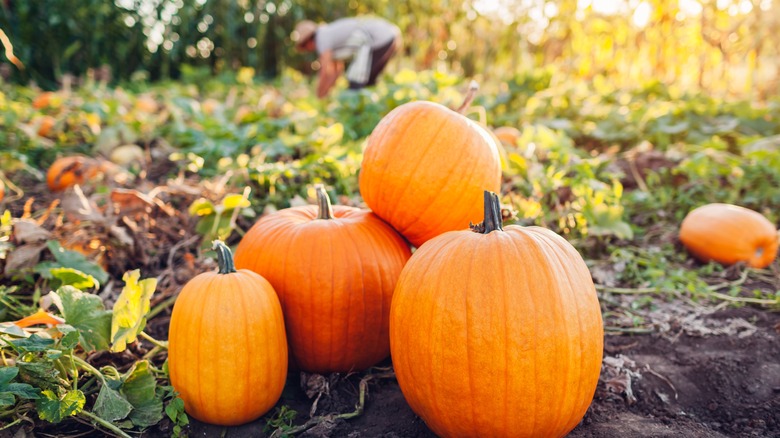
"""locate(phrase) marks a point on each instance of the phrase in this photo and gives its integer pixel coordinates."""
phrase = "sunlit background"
(728, 47)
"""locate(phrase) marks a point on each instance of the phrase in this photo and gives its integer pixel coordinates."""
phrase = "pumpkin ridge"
(357, 250)
(382, 173)
(474, 166)
(199, 378)
(551, 257)
(248, 373)
(395, 198)
(469, 351)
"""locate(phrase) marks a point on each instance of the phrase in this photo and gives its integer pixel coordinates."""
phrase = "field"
(691, 348)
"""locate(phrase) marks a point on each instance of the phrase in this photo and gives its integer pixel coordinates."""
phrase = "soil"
(652, 385)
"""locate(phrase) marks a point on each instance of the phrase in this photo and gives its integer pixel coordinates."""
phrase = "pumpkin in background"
(68, 171)
(508, 135)
(43, 100)
(729, 234)
(334, 268)
(2, 189)
(227, 350)
(45, 125)
(425, 167)
(497, 332)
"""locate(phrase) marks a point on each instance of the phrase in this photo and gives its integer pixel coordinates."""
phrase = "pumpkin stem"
(493, 220)
(224, 257)
(470, 95)
(323, 202)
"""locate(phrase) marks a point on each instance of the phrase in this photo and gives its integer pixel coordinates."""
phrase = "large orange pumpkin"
(68, 171)
(497, 332)
(419, 160)
(334, 269)
(729, 234)
(227, 353)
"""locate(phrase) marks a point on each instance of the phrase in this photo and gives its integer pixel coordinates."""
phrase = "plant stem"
(162, 306)
(160, 344)
(470, 95)
(224, 257)
(11, 424)
(324, 209)
(86, 366)
(104, 423)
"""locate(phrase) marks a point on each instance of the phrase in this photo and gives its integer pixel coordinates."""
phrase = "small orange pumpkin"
(68, 171)
(424, 170)
(334, 269)
(729, 234)
(497, 332)
(508, 135)
(45, 126)
(227, 352)
(43, 100)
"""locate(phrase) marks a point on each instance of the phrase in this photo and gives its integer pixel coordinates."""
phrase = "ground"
(714, 376)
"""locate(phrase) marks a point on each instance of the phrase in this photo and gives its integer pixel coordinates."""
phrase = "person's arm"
(330, 70)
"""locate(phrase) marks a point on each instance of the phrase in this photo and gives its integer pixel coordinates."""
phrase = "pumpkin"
(497, 332)
(334, 268)
(68, 171)
(418, 152)
(43, 100)
(508, 135)
(227, 350)
(2, 189)
(729, 234)
(45, 126)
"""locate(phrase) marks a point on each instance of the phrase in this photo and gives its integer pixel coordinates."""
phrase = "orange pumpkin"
(418, 152)
(2, 190)
(334, 269)
(227, 352)
(508, 135)
(729, 234)
(497, 332)
(43, 100)
(45, 126)
(68, 171)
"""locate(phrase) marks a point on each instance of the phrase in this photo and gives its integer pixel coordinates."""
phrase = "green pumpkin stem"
(323, 202)
(470, 95)
(493, 220)
(224, 257)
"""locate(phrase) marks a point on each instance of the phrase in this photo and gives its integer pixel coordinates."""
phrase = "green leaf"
(23, 390)
(70, 336)
(86, 313)
(34, 343)
(54, 409)
(139, 388)
(40, 375)
(12, 329)
(111, 405)
(75, 278)
(70, 259)
(7, 399)
(7, 374)
(130, 309)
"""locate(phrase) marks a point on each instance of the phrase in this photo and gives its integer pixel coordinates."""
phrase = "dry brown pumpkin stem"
(470, 95)
(493, 220)
(325, 210)
(224, 257)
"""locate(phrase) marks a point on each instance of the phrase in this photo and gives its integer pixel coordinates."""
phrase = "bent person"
(367, 42)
